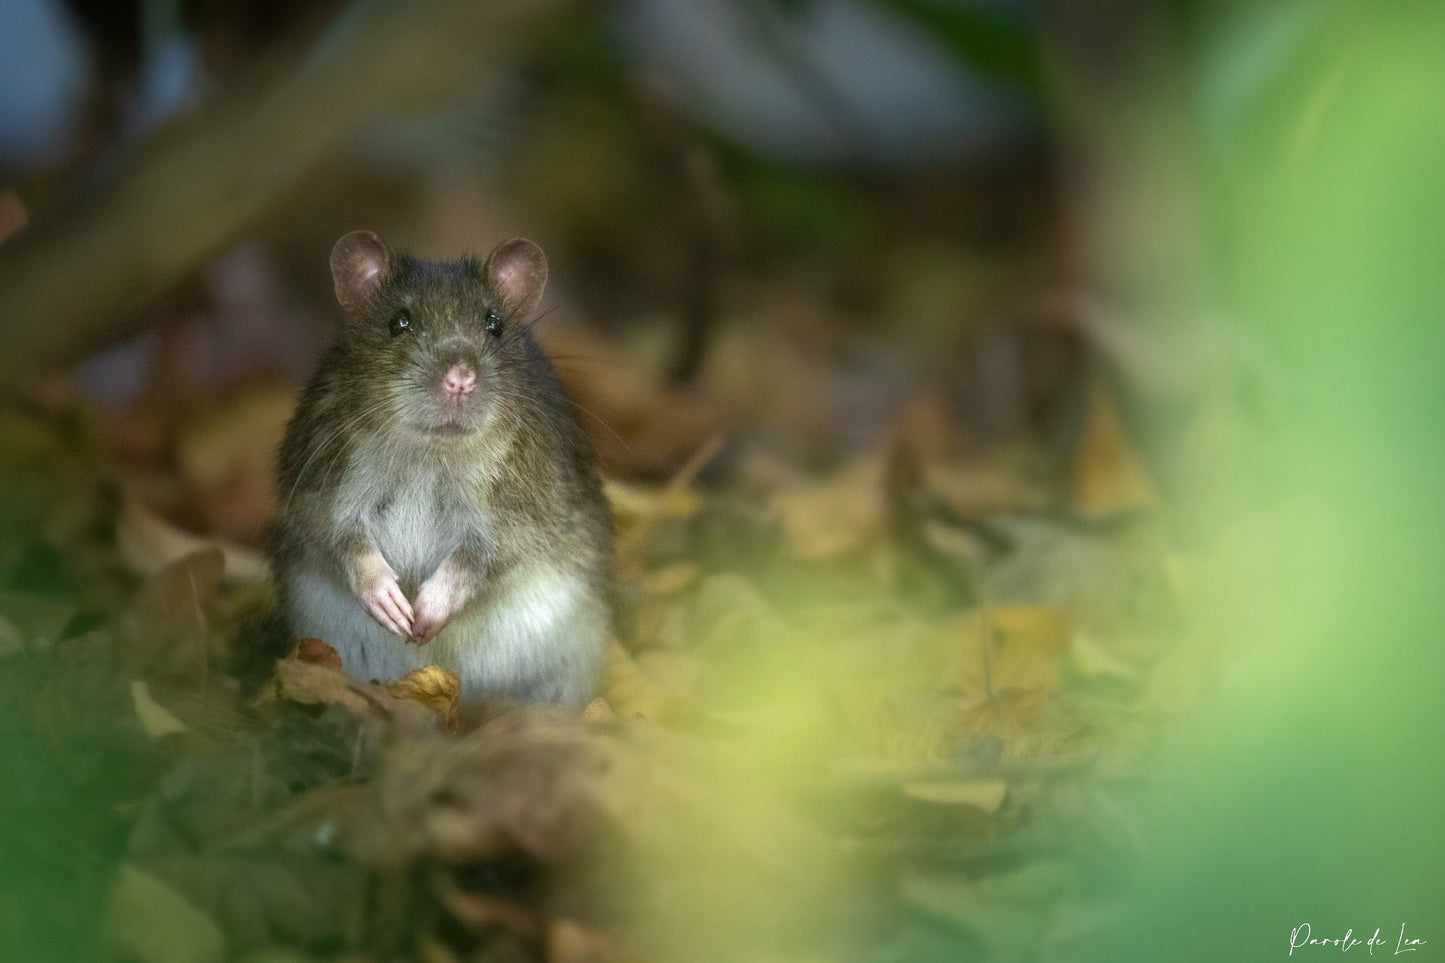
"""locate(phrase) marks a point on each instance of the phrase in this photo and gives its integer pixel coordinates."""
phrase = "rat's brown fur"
(494, 498)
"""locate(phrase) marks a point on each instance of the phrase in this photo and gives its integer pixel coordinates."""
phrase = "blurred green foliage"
(1313, 780)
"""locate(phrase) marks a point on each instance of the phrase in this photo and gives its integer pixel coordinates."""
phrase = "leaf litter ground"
(890, 710)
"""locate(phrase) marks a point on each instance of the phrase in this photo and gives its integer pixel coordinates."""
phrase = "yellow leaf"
(670, 579)
(150, 922)
(638, 501)
(1092, 660)
(434, 687)
(599, 710)
(986, 795)
(652, 686)
(571, 942)
(154, 718)
(1026, 645)
(1109, 476)
(12, 640)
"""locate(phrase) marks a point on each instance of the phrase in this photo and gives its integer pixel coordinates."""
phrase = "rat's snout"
(459, 380)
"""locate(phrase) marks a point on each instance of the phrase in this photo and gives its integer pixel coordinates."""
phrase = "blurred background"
(1117, 318)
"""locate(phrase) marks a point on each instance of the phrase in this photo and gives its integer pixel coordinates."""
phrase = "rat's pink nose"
(460, 379)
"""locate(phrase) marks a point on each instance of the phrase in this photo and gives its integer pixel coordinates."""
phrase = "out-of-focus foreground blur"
(1021, 422)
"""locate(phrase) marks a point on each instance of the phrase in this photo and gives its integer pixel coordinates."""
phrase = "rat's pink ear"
(360, 261)
(517, 271)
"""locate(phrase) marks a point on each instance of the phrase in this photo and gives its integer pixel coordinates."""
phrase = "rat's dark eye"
(400, 322)
(494, 323)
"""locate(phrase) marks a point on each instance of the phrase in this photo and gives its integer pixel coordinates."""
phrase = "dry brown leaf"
(482, 913)
(974, 487)
(972, 482)
(434, 687)
(177, 630)
(225, 454)
(244, 431)
(520, 783)
(834, 516)
(308, 684)
(1109, 476)
(148, 543)
(619, 408)
(316, 652)
(12, 214)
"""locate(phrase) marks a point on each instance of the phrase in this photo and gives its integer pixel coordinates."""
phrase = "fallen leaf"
(631, 502)
(522, 783)
(178, 630)
(225, 455)
(599, 710)
(12, 214)
(306, 683)
(670, 579)
(570, 942)
(484, 914)
(148, 921)
(834, 516)
(1109, 477)
(654, 685)
(154, 718)
(1036, 626)
(245, 430)
(316, 652)
(1091, 660)
(434, 687)
(148, 543)
(431, 950)
(986, 795)
(1025, 649)
(619, 406)
(12, 640)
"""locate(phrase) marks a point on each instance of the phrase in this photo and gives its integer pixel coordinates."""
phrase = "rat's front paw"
(437, 601)
(382, 597)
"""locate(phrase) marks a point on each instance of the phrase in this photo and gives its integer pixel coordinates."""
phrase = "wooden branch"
(80, 281)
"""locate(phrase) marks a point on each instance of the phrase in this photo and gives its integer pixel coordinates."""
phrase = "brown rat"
(439, 503)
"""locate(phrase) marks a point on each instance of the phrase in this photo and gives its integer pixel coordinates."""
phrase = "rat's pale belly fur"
(537, 637)
(535, 632)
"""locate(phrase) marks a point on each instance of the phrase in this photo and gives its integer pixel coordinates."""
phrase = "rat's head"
(439, 347)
